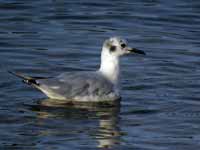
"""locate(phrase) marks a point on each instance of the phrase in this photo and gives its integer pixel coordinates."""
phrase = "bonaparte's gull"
(90, 86)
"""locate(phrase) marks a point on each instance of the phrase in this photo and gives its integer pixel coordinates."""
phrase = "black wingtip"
(25, 79)
(31, 82)
(11, 72)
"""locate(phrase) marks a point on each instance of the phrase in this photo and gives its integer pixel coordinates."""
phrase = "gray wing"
(73, 84)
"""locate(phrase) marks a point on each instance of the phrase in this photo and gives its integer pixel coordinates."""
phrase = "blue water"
(160, 102)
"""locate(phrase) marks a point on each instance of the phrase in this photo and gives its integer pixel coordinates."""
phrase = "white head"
(116, 46)
(113, 48)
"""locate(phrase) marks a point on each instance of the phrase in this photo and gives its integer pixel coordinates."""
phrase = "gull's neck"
(110, 66)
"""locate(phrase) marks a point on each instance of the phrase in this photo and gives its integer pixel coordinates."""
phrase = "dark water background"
(160, 108)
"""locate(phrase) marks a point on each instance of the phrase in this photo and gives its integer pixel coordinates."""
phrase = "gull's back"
(79, 86)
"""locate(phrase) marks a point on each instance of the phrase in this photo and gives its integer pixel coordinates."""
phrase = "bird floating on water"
(87, 86)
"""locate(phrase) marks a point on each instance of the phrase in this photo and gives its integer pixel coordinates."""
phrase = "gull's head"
(117, 46)
(113, 48)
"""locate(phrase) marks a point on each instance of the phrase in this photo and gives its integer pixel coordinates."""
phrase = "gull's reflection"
(107, 133)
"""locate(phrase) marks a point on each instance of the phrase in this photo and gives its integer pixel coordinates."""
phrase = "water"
(160, 105)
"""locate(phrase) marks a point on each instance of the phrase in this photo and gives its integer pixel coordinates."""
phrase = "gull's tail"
(27, 79)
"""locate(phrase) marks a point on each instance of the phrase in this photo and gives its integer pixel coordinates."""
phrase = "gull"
(87, 86)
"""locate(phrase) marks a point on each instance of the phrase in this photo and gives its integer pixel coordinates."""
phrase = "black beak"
(134, 50)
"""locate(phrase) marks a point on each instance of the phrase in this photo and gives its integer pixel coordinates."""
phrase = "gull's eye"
(113, 48)
(123, 45)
